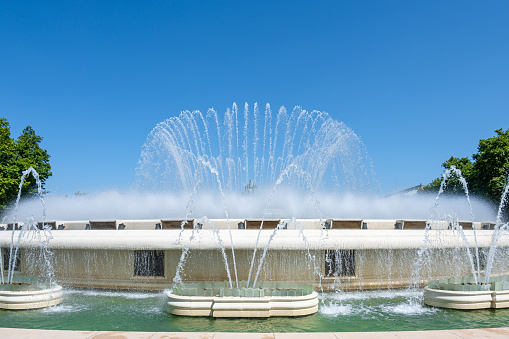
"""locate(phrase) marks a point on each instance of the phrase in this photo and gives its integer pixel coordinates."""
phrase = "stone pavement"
(445, 334)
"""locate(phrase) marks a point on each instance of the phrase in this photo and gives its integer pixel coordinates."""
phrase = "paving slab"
(21, 333)
(235, 335)
(305, 335)
(122, 335)
(365, 335)
(444, 334)
(492, 333)
(182, 335)
(24, 333)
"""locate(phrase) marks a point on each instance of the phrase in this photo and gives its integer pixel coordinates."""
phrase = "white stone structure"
(472, 300)
(351, 254)
(243, 307)
(25, 300)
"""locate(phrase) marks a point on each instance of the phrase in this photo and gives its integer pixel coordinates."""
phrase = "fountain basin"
(30, 298)
(267, 300)
(463, 294)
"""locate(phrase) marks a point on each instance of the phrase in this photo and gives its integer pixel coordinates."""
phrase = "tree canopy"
(487, 173)
(17, 155)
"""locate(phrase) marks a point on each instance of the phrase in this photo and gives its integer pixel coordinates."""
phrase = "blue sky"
(418, 81)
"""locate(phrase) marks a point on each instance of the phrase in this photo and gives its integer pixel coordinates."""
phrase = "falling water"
(42, 239)
(311, 258)
(499, 229)
(279, 226)
(217, 235)
(446, 177)
(214, 171)
(185, 249)
(285, 173)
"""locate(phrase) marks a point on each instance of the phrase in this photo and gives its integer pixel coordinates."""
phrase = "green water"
(394, 310)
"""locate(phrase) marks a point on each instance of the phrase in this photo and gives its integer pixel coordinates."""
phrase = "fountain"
(18, 292)
(252, 226)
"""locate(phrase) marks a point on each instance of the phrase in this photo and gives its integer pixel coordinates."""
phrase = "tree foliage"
(491, 166)
(487, 173)
(17, 155)
(454, 186)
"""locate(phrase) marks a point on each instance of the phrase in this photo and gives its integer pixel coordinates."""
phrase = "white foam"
(376, 294)
(408, 308)
(63, 309)
(335, 310)
(114, 294)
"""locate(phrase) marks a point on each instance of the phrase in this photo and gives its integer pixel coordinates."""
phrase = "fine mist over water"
(293, 164)
(284, 204)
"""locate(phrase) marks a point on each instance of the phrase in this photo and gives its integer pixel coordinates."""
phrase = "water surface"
(381, 310)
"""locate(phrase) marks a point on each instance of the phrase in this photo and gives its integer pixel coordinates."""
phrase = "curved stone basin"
(462, 294)
(267, 300)
(25, 293)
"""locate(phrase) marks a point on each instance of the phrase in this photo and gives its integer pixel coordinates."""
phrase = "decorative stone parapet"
(464, 294)
(26, 293)
(264, 301)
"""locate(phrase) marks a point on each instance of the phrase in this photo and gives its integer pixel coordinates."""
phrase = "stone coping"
(15, 333)
(246, 239)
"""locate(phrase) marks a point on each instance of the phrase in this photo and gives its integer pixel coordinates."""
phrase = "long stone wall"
(333, 258)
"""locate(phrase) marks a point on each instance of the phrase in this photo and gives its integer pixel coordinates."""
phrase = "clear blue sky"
(418, 81)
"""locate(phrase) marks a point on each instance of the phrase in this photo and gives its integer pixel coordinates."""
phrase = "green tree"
(487, 174)
(8, 170)
(17, 156)
(454, 186)
(491, 166)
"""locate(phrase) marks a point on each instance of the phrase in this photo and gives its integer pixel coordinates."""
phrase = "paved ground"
(452, 334)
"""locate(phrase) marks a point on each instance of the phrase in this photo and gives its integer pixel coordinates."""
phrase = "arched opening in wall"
(149, 263)
(6, 255)
(340, 263)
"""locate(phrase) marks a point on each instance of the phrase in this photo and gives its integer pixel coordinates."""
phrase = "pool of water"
(382, 310)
